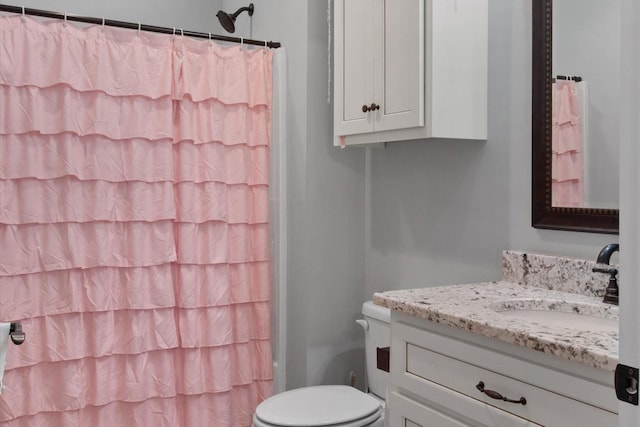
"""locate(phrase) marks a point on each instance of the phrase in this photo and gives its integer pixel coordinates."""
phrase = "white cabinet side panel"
(459, 68)
(630, 200)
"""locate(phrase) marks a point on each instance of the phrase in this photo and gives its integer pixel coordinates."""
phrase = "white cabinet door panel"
(354, 76)
(401, 89)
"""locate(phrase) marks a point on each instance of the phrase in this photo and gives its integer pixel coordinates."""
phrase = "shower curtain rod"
(134, 26)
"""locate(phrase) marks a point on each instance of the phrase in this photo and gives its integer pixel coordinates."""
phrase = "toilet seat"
(317, 406)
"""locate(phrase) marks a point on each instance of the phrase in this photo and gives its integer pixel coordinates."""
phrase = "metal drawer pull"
(495, 395)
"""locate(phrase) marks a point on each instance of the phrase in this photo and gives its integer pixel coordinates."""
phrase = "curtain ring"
(241, 41)
(265, 44)
(139, 27)
(103, 21)
(23, 14)
(174, 31)
(181, 33)
(65, 19)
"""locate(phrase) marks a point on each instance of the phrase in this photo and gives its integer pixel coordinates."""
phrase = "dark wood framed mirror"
(543, 213)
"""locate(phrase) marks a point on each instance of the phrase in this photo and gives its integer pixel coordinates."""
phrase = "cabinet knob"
(372, 107)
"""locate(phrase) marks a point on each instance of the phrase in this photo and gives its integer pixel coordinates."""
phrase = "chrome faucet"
(604, 257)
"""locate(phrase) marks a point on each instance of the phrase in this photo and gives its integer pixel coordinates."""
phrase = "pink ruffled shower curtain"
(134, 239)
(567, 174)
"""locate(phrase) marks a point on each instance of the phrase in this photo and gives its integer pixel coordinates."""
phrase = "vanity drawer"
(406, 412)
(428, 364)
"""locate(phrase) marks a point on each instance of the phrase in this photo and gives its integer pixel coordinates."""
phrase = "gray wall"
(412, 214)
(196, 15)
(325, 206)
(441, 212)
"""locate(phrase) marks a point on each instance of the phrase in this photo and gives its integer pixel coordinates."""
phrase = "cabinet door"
(399, 85)
(354, 64)
(405, 412)
(379, 59)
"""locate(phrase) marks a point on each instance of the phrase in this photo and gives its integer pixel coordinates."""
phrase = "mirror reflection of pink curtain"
(567, 159)
(134, 239)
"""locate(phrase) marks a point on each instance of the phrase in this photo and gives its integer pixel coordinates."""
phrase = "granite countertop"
(476, 308)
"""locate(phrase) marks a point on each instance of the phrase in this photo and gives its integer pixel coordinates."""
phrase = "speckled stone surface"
(551, 272)
(484, 308)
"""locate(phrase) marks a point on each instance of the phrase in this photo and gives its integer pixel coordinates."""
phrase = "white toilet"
(337, 405)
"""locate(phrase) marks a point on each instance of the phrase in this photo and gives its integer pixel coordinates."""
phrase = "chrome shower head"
(228, 22)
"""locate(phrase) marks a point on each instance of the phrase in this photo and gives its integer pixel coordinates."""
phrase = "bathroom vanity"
(515, 352)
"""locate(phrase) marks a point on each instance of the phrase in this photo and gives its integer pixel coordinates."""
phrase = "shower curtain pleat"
(134, 227)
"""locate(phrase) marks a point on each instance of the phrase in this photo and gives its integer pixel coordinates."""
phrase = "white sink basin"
(596, 317)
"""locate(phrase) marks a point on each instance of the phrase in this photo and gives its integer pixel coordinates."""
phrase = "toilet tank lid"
(383, 314)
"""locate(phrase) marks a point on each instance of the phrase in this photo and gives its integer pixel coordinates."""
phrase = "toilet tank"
(377, 334)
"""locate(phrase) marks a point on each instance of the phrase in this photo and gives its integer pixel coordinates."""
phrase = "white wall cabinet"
(410, 69)
(435, 372)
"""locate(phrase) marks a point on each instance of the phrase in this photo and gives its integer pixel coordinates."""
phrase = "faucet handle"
(611, 293)
(607, 270)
